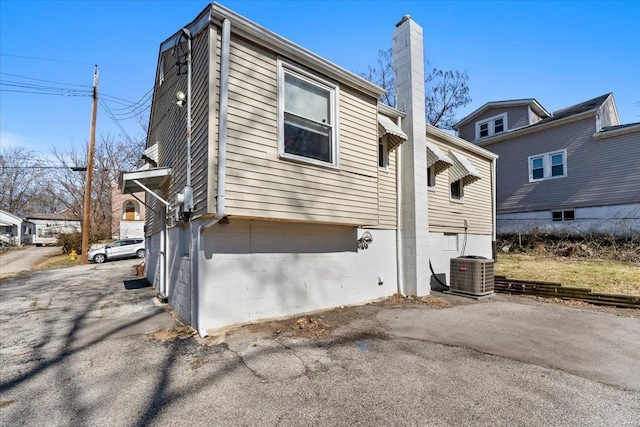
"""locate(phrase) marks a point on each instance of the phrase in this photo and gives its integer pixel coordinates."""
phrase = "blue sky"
(560, 53)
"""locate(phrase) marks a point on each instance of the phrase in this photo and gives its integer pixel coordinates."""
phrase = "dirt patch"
(322, 324)
(198, 363)
(180, 332)
(5, 403)
(398, 300)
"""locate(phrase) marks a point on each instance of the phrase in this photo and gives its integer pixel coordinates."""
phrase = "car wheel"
(140, 253)
(99, 258)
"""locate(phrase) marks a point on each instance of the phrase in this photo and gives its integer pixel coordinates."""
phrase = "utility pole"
(86, 222)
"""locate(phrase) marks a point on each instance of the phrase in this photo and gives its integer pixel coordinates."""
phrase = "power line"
(42, 93)
(45, 59)
(114, 119)
(42, 80)
(73, 168)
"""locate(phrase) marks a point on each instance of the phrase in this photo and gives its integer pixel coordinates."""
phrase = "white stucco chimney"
(408, 65)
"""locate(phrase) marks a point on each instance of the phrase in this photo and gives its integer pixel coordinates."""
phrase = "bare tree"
(21, 174)
(382, 75)
(445, 91)
(110, 157)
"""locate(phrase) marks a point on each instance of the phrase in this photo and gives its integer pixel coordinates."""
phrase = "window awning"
(437, 159)
(395, 136)
(148, 180)
(462, 170)
(150, 157)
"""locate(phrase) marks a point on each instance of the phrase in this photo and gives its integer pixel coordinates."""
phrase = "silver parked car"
(124, 248)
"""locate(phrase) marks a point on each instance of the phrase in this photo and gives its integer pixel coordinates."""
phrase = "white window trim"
(461, 199)
(334, 90)
(490, 121)
(385, 150)
(432, 176)
(563, 213)
(546, 165)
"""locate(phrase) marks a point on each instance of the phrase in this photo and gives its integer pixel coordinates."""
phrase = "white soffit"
(462, 169)
(395, 136)
(152, 179)
(437, 158)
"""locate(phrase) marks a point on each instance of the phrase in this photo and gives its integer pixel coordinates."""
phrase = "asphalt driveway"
(89, 345)
(18, 260)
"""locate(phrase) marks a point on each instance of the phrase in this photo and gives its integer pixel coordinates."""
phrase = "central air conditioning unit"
(472, 275)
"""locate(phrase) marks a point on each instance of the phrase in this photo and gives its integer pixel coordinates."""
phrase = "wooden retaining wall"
(556, 290)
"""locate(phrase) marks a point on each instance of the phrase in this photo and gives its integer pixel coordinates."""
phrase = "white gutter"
(222, 164)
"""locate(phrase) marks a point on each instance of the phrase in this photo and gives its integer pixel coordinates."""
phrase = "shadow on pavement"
(136, 284)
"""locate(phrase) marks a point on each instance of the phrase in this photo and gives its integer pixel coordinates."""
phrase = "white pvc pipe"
(222, 162)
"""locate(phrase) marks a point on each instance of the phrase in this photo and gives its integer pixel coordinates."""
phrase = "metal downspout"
(494, 210)
(222, 164)
(399, 252)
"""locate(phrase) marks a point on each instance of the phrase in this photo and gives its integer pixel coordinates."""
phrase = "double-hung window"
(548, 166)
(457, 191)
(307, 117)
(383, 154)
(491, 126)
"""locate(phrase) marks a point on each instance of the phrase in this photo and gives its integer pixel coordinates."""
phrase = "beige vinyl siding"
(213, 114)
(168, 127)
(260, 185)
(200, 123)
(387, 204)
(448, 216)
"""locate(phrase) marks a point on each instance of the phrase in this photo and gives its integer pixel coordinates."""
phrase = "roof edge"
(532, 102)
(536, 127)
(604, 134)
(279, 44)
(461, 143)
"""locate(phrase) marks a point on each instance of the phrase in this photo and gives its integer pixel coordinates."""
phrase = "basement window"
(568, 215)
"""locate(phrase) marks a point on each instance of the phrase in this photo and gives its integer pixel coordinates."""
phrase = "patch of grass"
(611, 277)
(57, 261)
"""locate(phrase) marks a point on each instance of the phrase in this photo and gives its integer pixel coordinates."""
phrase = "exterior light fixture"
(182, 98)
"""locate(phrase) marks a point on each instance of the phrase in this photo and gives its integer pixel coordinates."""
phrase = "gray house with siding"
(575, 170)
(276, 183)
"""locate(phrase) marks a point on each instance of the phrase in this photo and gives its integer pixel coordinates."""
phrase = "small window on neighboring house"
(484, 130)
(383, 154)
(557, 165)
(548, 166)
(431, 177)
(568, 215)
(307, 117)
(491, 126)
(456, 190)
(537, 168)
(498, 126)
